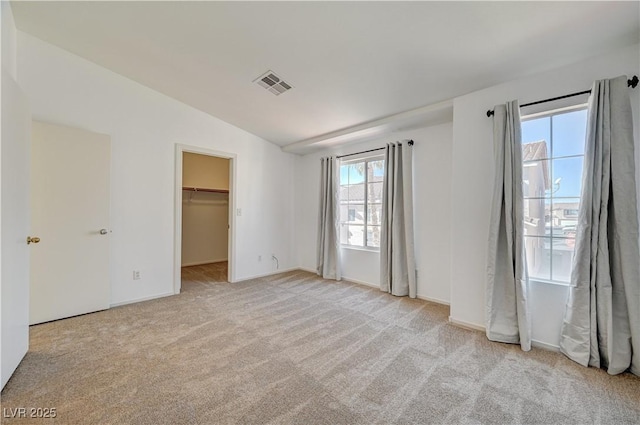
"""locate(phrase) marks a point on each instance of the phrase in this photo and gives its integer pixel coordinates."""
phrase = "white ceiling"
(349, 63)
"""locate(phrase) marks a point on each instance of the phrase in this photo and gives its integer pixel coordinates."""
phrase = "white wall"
(473, 169)
(432, 203)
(9, 40)
(145, 126)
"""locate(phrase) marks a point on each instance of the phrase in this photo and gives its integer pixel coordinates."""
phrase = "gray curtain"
(507, 313)
(601, 326)
(328, 252)
(397, 255)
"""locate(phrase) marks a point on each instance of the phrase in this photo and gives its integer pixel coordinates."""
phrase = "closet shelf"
(200, 189)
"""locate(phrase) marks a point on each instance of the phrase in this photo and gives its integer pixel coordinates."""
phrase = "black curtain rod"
(370, 150)
(630, 83)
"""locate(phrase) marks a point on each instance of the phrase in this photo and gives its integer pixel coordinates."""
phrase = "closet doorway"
(204, 221)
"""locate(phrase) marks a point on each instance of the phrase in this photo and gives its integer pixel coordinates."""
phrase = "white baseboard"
(139, 300)
(433, 300)
(372, 285)
(466, 325)
(200, 263)
(304, 269)
(545, 346)
(473, 326)
(360, 282)
(290, 269)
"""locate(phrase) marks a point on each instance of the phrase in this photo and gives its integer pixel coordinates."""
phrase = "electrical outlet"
(136, 275)
(238, 212)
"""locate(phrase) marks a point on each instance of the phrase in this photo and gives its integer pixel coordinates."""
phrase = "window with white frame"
(553, 156)
(361, 202)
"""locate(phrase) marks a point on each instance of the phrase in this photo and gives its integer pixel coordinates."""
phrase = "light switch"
(239, 212)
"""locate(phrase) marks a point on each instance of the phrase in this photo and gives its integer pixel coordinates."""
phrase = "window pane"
(562, 258)
(375, 192)
(361, 184)
(344, 234)
(344, 174)
(355, 214)
(344, 212)
(567, 177)
(356, 193)
(373, 236)
(376, 171)
(534, 151)
(565, 217)
(356, 172)
(344, 193)
(537, 217)
(536, 130)
(551, 220)
(538, 257)
(375, 214)
(569, 132)
(355, 235)
(536, 179)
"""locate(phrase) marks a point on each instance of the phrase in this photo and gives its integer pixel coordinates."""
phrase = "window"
(553, 155)
(361, 202)
(571, 213)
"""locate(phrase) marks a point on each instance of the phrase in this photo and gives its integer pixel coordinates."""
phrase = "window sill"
(360, 248)
(550, 282)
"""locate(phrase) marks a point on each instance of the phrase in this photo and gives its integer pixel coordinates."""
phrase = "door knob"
(103, 231)
(31, 240)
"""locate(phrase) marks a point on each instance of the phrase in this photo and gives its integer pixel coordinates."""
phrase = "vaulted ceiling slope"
(348, 62)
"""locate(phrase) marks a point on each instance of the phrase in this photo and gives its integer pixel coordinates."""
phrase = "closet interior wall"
(205, 209)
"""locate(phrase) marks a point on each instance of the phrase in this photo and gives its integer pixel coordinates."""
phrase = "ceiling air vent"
(270, 81)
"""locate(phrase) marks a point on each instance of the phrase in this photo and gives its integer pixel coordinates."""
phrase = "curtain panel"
(601, 326)
(328, 249)
(507, 311)
(397, 254)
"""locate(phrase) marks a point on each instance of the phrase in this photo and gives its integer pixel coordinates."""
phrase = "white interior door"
(14, 228)
(70, 171)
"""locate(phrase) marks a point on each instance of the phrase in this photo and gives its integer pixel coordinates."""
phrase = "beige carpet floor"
(296, 349)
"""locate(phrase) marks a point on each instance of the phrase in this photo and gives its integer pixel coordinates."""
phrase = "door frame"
(177, 238)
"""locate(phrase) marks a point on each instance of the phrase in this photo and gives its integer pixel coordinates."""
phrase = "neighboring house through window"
(553, 155)
(361, 202)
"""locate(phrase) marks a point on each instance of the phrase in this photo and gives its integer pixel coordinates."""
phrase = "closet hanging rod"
(198, 189)
(633, 83)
